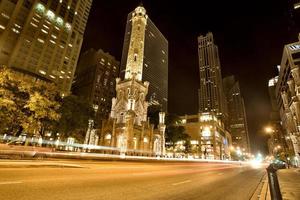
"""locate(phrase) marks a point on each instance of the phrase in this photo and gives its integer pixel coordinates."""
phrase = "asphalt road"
(81, 180)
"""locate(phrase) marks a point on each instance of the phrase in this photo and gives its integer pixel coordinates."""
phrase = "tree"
(42, 110)
(25, 103)
(12, 101)
(187, 145)
(75, 113)
(175, 132)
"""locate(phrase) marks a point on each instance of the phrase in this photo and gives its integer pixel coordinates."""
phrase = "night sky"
(250, 36)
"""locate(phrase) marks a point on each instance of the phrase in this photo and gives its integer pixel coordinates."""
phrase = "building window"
(135, 57)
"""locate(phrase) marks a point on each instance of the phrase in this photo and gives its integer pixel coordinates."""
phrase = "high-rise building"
(288, 95)
(95, 80)
(237, 120)
(154, 59)
(294, 17)
(211, 96)
(43, 37)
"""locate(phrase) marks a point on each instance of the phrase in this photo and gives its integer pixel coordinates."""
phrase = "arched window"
(135, 57)
(107, 139)
(108, 136)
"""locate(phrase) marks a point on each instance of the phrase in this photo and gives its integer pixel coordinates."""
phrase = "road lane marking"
(182, 182)
(10, 182)
(142, 174)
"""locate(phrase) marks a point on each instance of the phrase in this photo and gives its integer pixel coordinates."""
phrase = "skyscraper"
(154, 60)
(211, 96)
(43, 37)
(237, 120)
(95, 80)
(294, 17)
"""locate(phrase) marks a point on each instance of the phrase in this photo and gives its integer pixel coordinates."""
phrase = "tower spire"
(135, 57)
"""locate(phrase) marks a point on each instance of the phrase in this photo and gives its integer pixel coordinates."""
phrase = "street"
(77, 179)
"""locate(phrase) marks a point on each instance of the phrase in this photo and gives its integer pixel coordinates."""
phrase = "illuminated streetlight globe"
(268, 129)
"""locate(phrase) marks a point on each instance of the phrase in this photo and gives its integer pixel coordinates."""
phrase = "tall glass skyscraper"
(43, 37)
(211, 96)
(237, 121)
(155, 62)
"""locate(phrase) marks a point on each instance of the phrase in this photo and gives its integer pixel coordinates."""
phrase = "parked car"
(279, 164)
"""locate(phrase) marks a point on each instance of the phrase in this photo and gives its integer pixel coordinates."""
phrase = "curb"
(262, 190)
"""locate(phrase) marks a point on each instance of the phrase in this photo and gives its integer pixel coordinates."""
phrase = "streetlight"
(269, 129)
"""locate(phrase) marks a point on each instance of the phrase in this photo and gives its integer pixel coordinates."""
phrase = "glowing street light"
(239, 152)
(269, 129)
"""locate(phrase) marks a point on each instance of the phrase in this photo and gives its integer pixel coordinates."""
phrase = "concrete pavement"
(289, 182)
(130, 180)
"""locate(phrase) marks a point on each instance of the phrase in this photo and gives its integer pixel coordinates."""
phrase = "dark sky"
(250, 36)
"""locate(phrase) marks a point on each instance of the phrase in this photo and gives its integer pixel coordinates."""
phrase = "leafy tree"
(75, 113)
(26, 104)
(175, 132)
(188, 145)
(42, 110)
(12, 101)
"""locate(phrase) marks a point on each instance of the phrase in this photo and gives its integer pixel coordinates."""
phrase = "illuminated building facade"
(43, 37)
(207, 129)
(275, 128)
(211, 96)
(128, 129)
(95, 80)
(288, 95)
(209, 139)
(154, 59)
(237, 120)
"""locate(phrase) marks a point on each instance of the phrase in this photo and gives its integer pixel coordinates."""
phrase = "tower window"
(135, 57)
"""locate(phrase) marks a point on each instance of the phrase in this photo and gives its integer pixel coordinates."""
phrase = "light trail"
(71, 154)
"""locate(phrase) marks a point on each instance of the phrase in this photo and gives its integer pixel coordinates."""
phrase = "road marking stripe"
(10, 182)
(182, 182)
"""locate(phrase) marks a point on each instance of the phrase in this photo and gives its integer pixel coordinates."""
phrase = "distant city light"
(296, 6)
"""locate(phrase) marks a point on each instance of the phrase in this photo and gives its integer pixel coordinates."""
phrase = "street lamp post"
(90, 133)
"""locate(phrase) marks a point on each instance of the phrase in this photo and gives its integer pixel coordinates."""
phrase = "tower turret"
(134, 65)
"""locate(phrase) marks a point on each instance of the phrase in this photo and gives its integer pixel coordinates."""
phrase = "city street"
(126, 180)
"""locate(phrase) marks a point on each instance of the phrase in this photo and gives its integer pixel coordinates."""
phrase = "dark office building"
(294, 18)
(95, 80)
(237, 120)
(155, 65)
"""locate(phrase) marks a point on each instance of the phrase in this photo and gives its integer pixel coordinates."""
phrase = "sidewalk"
(289, 182)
